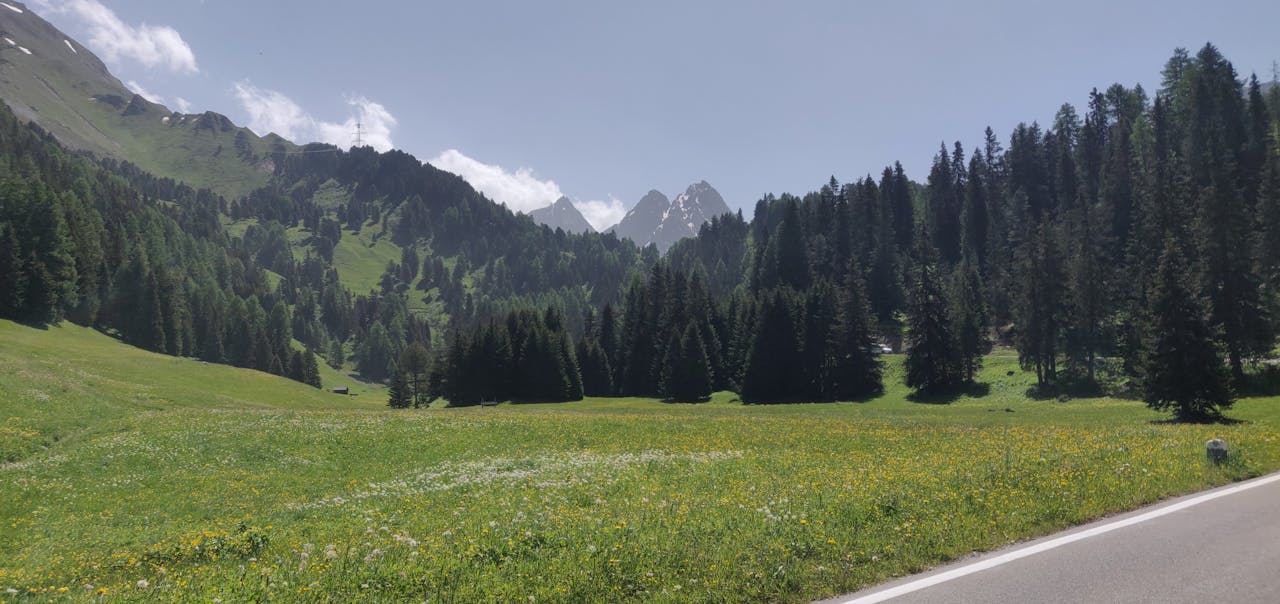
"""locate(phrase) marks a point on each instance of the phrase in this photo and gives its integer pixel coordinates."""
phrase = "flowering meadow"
(231, 498)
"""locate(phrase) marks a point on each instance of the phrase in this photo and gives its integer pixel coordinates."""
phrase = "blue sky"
(602, 101)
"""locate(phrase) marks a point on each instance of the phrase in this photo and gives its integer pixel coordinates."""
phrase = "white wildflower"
(142, 584)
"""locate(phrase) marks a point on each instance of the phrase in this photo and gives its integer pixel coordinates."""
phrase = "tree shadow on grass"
(865, 398)
(950, 395)
(1220, 420)
(1066, 390)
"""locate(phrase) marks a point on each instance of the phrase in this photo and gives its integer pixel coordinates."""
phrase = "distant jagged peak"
(658, 220)
(562, 214)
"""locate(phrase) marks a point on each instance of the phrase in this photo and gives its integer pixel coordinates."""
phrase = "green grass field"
(137, 477)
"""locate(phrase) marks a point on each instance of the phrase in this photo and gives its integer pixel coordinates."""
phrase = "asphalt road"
(1217, 546)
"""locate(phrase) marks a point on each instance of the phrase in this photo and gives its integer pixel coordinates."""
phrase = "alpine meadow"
(237, 365)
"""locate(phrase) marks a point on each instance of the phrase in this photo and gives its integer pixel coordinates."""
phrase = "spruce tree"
(970, 318)
(597, 377)
(820, 314)
(337, 354)
(1038, 308)
(931, 351)
(295, 370)
(310, 369)
(790, 258)
(1182, 367)
(414, 364)
(398, 395)
(773, 373)
(154, 337)
(13, 276)
(855, 368)
(686, 374)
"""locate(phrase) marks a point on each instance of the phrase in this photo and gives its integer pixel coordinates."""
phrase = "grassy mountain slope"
(68, 91)
(67, 381)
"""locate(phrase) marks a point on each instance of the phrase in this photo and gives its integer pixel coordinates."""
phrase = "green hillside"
(69, 382)
(68, 91)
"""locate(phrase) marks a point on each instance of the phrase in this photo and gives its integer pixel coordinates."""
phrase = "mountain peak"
(55, 81)
(660, 221)
(562, 215)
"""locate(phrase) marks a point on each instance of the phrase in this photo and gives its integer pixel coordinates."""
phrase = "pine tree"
(414, 365)
(942, 213)
(970, 317)
(931, 351)
(975, 216)
(1182, 365)
(856, 371)
(310, 370)
(337, 354)
(789, 254)
(154, 337)
(377, 358)
(1037, 312)
(398, 395)
(597, 377)
(13, 276)
(295, 370)
(773, 373)
(820, 314)
(688, 372)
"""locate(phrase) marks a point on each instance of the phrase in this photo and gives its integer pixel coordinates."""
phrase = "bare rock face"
(662, 222)
(562, 215)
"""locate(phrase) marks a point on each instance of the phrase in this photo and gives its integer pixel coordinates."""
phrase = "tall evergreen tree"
(855, 370)
(772, 372)
(414, 366)
(1038, 313)
(931, 350)
(398, 396)
(687, 372)
(13, 275)
(789, 253)
(1182, 365)
(310, 369)
(970, 318)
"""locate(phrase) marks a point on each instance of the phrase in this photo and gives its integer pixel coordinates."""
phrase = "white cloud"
(520, 190)
(143, 92)
(182, 105)
(273, 111)
(150, 45)
(602, 214)
(375, 126)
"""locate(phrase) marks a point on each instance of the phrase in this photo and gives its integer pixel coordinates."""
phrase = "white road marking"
(1032, 550)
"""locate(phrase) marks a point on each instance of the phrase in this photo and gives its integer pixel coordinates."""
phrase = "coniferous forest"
(1130, 246)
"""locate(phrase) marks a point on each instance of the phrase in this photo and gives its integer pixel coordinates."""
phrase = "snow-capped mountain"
(562, 215)
(660, 221)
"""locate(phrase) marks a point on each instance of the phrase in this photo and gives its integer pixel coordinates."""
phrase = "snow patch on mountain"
(662, 222)
(11, 7)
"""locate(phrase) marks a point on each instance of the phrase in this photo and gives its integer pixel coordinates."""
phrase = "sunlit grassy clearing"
(606, 499)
